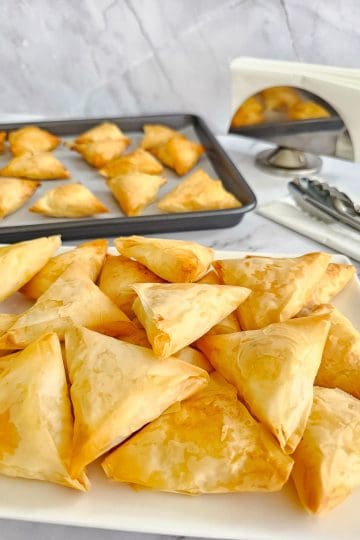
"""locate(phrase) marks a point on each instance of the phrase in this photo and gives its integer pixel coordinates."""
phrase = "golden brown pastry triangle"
(250, 112)
(327, 460)
(179, 153)
(280, 286)
(36, 423)
(340, 364)
(137, 161)
(117, 276)
(195, 358)
(69, 201)
(175, 315)
(72, 299)
(134, 191)
(105, 130)
(196, 193)
(32, 139)
(331, 283)
(117, 388)
(89, 255)
(39, 166)
(173, 260)
(208, 443)
(14, 192)
(6, 321)
(2, 141)
(155, 135)
(20, 262)
(98, 153)
(273, 370)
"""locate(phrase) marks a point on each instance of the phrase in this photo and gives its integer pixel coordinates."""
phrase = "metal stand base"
(288, 162)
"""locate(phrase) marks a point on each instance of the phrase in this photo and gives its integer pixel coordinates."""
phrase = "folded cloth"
(334, 235)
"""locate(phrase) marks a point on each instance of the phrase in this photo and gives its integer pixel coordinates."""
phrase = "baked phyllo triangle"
(36, 422)
(14, 192)
(173, 260)
(175, 315)
(101, 132)
(156, 135)
(32, 139)
(178, 153)
(72, 299)
(117, 277)
(197, 193)
(35, 166)
(137, 161)
(280, 286)
(117, 388)
(20, 262)
(208, 443)
(89, 255)
(340, 364)
(98, 153)
(69, 201)
(273, 370)
(327, 460)
(2, 141)
(331, 283)
(134, 191)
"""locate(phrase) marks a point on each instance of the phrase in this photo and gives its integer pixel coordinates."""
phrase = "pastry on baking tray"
(174, 315)
(249, 113)
(156, 135)
(280, 286)
(32, 139)
(327, 460)
(72, 299)
(39, 166)
(90, 256)
(332, 282)
(273, 370)
(14, 192)
(280, 98)
(20, 262)
(208, 443)
(137, 161)
(117, 388)
(2, 141)
(101, 132)
(173, 260)
(198, 192)
(340, 364)
(179, 153)
(69, 201)
(98, 153)
(36, 421)
(118, 275)
(134, 191)
(306, 110)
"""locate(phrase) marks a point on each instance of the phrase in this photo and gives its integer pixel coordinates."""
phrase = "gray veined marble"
(103, 57)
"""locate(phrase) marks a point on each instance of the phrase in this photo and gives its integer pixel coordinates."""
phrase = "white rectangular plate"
(250, 516)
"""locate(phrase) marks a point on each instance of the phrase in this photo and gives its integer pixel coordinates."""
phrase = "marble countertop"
(254, 233)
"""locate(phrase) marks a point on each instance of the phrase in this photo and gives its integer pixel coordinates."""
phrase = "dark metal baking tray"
(269, 129)
(156, 223)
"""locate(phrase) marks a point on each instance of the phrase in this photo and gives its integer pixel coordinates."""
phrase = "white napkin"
(334, 235)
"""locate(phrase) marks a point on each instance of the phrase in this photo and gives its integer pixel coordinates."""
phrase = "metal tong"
(324, 201)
